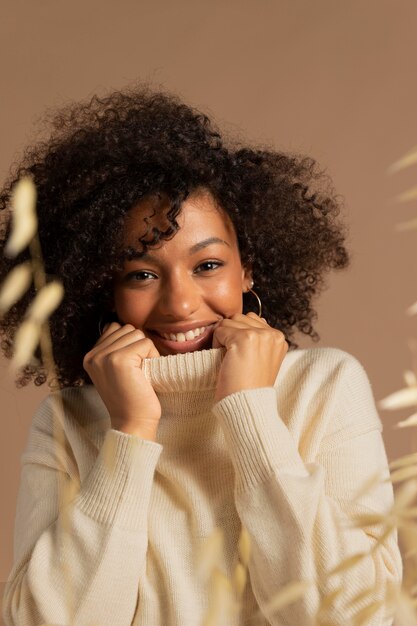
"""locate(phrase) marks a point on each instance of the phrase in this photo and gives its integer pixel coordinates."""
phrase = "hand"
(114, 365)
(254, 353)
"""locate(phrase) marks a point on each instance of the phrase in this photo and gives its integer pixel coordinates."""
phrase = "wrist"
(143, 431)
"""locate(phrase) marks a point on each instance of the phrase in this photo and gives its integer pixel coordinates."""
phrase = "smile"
(193, 339)
(181, 337)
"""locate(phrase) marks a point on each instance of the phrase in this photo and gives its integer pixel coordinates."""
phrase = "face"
(178, 292)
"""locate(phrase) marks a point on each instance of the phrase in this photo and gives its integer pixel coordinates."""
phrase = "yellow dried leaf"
(328, 599)
(25, 343)
(244, 546)
(46, 301)
(405, 495)
(409, 225)
(410, 194)
(408, 159)
(16, 284)
(239, 578)
(69, 491)
(109, 452)
(210, 554)
(412, 310)
(399, 399)
(403, 474)
(24, 220)
(222, 602)
(407, 423)
(367, 612)
(368, 519)
(380, 540)
(408, 513)
(287, 595)
(410, 378)
(408, 459)
(351, 561)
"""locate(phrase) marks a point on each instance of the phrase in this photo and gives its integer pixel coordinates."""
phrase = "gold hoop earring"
(258, 300)
(102, 322)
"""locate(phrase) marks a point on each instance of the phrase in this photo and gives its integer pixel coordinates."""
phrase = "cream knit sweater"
(282, 461)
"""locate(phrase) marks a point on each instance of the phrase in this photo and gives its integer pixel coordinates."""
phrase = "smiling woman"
(186, 413)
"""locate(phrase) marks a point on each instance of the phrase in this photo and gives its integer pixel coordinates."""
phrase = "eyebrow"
(195, 248)
(206, 242)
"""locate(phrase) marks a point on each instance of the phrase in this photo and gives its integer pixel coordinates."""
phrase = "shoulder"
(66, 421)
(328, 383)
(80, 404)
(323, 362)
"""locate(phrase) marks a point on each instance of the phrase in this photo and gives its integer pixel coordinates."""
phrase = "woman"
(187, 405)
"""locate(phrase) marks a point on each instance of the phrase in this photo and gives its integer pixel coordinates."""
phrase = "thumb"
(152, 352)
(216, 341)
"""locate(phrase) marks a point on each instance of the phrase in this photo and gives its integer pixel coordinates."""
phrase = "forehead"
(200, 217)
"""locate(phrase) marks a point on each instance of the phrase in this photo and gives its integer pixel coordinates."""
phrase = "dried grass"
(15, 286)
(24, 220)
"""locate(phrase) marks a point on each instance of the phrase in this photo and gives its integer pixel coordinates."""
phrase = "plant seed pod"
(24, 219)
(26, 341)
(45, 302)
(16, 284)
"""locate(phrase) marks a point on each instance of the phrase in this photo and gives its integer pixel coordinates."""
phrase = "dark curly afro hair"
(105, 155)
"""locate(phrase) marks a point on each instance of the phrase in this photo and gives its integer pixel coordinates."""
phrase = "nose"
(180, 297)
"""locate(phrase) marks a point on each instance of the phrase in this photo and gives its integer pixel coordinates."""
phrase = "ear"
(247, 280)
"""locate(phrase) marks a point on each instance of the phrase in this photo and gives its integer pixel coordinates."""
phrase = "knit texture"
(283, 461)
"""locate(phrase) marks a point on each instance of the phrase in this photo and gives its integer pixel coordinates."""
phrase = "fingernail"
(106, 327)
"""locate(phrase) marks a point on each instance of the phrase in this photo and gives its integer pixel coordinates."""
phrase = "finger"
(256, 317)
(114, 343)
(250, 320)
(128, 345)
(108, 329)
(143, 348)
(226, 335)
(114, 331)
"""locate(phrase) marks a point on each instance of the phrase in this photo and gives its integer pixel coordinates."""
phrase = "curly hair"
(103, 156)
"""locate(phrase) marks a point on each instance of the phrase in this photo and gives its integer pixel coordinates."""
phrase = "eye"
(140, 275)
(208, 266)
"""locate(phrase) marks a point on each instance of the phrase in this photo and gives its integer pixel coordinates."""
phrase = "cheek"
(229, 295)
(130, 308)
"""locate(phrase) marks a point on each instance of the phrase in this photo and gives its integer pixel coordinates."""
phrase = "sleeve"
(297, 514)
(79, 562)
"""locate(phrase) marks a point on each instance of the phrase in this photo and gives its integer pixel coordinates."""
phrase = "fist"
(115, 366)
(254, 353)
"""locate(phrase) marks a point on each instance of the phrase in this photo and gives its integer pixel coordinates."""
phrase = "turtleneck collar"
(190, 371)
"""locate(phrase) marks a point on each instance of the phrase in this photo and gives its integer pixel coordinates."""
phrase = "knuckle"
(137, 334)
(113, 358)
(88, 359)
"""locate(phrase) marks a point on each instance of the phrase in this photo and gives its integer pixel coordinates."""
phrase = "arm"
(89, 554)
(297, 512)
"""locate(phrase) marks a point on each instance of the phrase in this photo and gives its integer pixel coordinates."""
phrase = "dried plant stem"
(66, 491)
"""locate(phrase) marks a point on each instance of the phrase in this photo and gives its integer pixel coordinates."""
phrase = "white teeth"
(181, 337)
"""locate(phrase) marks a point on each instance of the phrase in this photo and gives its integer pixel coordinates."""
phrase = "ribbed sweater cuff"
(258, 441)
(118, 488)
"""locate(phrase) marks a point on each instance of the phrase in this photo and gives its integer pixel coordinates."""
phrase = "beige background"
(332, 79)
